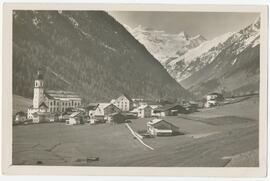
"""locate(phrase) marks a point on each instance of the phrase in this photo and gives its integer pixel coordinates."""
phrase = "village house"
(124, 102)
(41, 117)
(75, 118)
(213, 99)
(191, 106)
(154, 107)
(51, 101)
(143, 111)
(102, 112)
(20, 117)
(170, 110)
(160, 127)
(116, 117)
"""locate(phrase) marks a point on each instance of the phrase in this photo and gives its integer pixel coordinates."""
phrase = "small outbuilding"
(20, 117)
(116, 118)
(160, 127)
(75, 118)
(213, 99)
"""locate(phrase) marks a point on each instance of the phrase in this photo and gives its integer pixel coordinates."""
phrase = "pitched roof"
(92, 106)
(168, 107)
(155, 121)
(42, 105)
(125, 95)
(21, 113)
(48, 95)
(140, 108)
(74, 114)
(103, 105)
(61, 95)
(215, 93)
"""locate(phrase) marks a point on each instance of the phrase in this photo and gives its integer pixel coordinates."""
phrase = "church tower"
(38, 90)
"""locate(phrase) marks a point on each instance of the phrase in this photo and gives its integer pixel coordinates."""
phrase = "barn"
(160, 127)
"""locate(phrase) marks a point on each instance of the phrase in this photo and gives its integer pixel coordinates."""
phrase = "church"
(47, 102)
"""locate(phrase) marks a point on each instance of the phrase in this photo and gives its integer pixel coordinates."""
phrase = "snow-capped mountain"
(231, 66)
(199, 64)
(163, 46)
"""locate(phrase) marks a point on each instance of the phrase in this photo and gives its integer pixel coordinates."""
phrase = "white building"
(152, 110)
(213, 99)
(103, 110)
(143, 111)
(123, 102)
(51, 101)
(74, 118)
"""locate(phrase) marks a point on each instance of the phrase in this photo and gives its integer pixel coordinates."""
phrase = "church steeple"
(38, 90)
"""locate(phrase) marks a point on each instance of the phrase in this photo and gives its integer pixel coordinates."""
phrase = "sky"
(207, 24)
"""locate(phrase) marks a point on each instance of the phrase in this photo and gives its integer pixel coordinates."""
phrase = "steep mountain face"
(234, 68)
(87, 52)
(228, 63)
(163, 46)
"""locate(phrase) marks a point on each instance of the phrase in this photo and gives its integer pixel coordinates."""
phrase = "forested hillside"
(87, 52)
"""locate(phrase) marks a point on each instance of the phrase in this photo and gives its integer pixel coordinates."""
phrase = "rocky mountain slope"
(210, 65)
(234, 68)
(87, 52)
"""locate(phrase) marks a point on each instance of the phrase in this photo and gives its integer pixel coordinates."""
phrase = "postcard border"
(8, 168)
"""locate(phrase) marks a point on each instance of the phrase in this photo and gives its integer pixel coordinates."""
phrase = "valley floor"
(222, 136)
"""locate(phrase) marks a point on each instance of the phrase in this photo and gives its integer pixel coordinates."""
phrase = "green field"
(213, 138)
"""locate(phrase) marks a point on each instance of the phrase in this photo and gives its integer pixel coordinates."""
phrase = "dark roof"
(48, 96)
(91, 106)
(43, 104)
(20, 113)
(215, 93)
(161, 120)
(124, 94)
(168, 107)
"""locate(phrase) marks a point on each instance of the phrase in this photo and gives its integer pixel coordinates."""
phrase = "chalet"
(213, 99)
(116, 117)
(91, 108)
(41, 117)
(20, 117)
(102, 110)
(191, 106)
(170, 110)
(154, 107)
(143, 111)
(124, 102)
(54, 101)
(75, 118)
(160, 127)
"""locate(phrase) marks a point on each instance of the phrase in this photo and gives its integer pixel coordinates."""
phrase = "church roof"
(61, 95)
